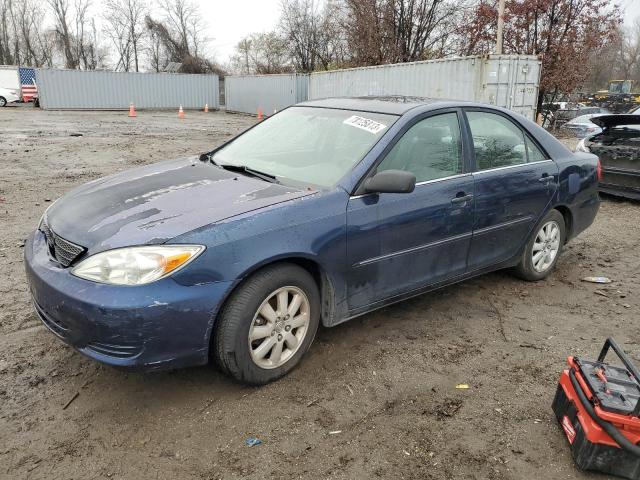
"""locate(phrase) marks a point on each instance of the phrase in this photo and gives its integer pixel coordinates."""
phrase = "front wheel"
(543, 248)
(3, 102)
(267, 325)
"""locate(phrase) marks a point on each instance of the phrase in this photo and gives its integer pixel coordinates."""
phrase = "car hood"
(608, 121)
(155, 203)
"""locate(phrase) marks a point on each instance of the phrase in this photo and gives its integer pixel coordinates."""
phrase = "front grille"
(64, 251)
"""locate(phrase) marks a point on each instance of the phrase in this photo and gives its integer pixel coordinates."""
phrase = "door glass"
(533, 152)
(496, 140)
(430, 149)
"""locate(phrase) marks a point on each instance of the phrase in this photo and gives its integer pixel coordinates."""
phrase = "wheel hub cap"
(279, 327)
(546, 246)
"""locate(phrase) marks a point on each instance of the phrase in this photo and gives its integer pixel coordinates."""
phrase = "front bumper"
(160, 325)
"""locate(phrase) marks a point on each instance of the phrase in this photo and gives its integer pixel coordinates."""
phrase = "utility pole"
(500, 27)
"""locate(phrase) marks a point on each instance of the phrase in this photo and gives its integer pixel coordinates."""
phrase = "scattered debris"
(462, 386)
(597, 279)
(77, 394)
(500, 319)
(252, 441)
(349, 388)
(313, 402)
(529, 345)
(601, 293)
(448, 409)
(335, 432)
(75, 134)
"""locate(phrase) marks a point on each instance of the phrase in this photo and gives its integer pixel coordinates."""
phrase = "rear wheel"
(3, 102)
(267, 325)
(543, 248)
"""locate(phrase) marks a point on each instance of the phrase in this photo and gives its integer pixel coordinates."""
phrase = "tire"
(3, 102)
(242, 314)
(532, 271)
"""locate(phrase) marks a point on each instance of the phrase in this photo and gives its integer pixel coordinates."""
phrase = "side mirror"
(391, 181)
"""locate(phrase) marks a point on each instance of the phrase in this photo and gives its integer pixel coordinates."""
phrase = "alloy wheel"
(546, 246)
(279, 327)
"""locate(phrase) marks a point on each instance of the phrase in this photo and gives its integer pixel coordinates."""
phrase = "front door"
(514, 182)
(397, 243)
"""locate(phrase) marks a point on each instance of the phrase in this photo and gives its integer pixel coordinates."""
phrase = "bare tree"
(628, 56)
(5, 32)
(178, 37)
(262, 53)
(124, 26)
(76, 34)
(314, 33)
(23, 39)
(62, 30)
(391, 31)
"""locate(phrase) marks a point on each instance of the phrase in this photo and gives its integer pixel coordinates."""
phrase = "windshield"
(306, 144)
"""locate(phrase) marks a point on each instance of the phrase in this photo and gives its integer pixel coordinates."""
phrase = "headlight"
(136, 265)
(581, 147)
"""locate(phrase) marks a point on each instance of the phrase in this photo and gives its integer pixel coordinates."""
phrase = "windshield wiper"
(239, 168)
(242, 168)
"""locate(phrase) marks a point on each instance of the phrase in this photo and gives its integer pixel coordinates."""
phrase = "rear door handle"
(545, 178)
(462, 199)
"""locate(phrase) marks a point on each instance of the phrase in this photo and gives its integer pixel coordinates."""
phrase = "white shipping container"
(103, 90)
(9, 78)
(267, 93)
(509, 81)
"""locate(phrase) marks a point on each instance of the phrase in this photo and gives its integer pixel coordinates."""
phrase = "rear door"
(514, 181)
(400, 242)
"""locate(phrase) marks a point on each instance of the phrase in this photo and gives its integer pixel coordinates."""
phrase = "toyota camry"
(323, 212)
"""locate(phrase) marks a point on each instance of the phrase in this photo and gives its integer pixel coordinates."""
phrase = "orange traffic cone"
(180, 112)
(132, 110)
(259, 113)
(206, 108)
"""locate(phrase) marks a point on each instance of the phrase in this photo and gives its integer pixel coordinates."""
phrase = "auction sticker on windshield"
(367, 124)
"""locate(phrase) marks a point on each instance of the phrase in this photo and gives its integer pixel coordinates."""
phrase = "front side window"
(497, 141)
(310, 145)
(430, 149)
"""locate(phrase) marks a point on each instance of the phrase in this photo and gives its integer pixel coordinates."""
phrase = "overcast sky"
(231, 20)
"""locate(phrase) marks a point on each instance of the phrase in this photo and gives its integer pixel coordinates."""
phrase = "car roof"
(388, 104)
(399, 105)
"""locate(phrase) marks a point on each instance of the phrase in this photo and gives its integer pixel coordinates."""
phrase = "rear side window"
(430, 149)
(533, 152)
(497, 141)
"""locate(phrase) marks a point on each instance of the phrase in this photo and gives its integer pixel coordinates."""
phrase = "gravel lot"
(375, 397)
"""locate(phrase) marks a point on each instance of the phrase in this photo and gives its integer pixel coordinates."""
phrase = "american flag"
(28, 83)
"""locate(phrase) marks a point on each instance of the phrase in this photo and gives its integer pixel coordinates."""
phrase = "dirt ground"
(374, 398)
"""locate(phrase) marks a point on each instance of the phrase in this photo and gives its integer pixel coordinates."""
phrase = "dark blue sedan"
(327, 210)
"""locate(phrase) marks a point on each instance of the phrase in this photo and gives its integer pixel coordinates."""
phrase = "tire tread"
(233, 316)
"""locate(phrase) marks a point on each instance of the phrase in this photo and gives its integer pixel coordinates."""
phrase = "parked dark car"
(326, 211)
(618, 147)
